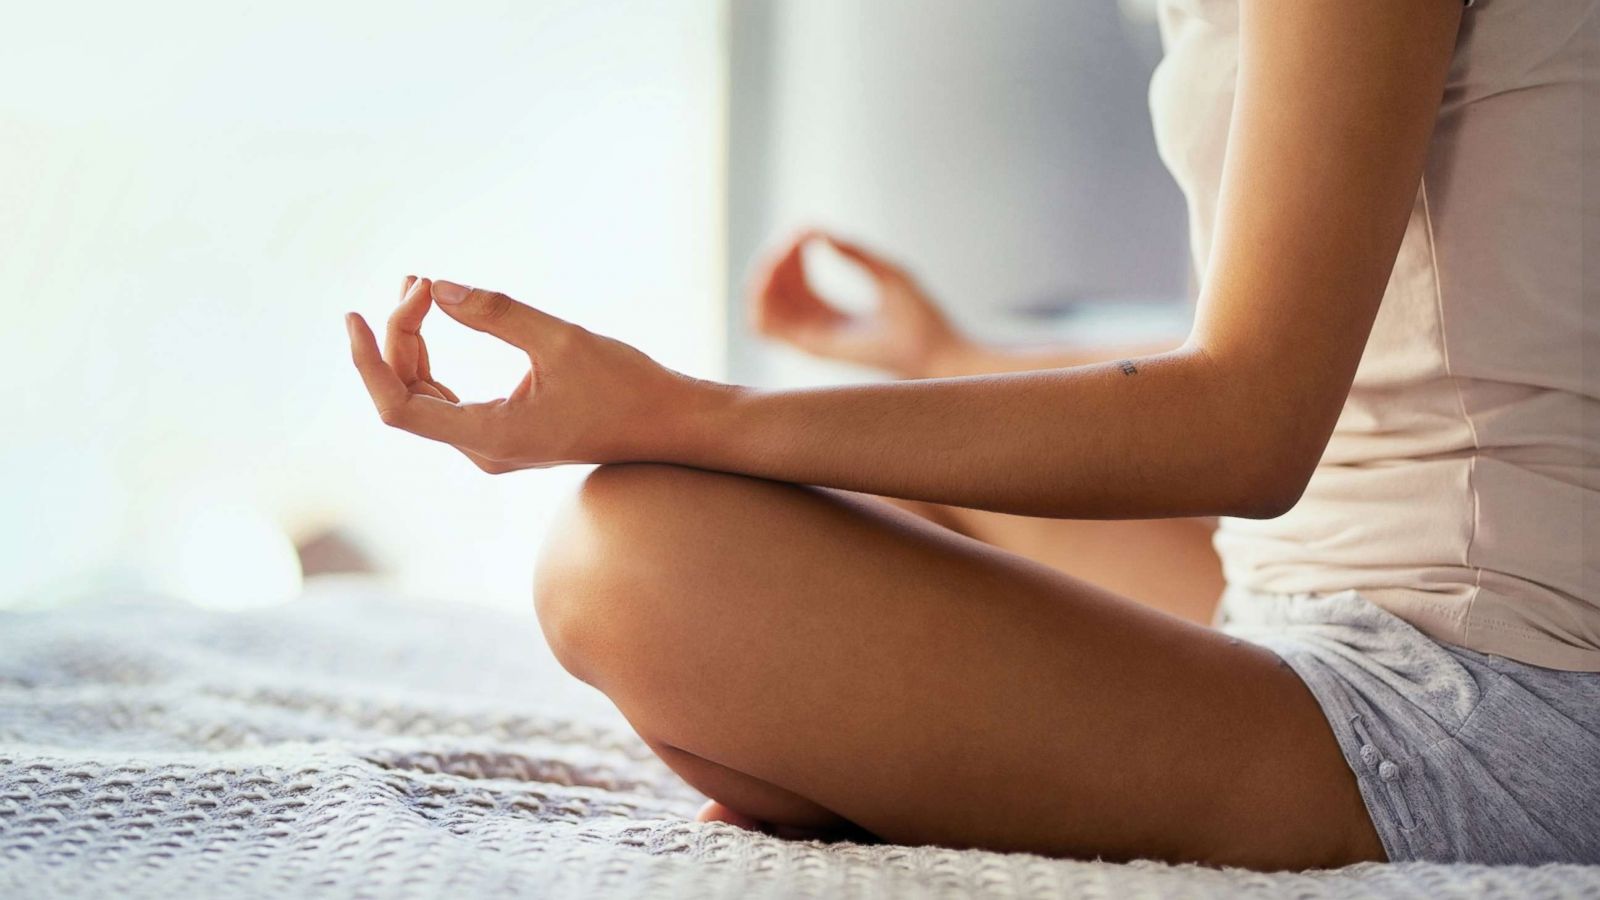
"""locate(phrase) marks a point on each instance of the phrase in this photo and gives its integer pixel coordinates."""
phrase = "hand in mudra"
(585, 398)
(905, 334)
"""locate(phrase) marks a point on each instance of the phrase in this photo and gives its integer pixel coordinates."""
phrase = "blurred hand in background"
(905, 334)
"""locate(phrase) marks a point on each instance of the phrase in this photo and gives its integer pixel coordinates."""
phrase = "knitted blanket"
(350, 744)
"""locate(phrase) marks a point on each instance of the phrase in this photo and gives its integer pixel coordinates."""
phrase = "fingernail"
(448, 292)
(350, 322)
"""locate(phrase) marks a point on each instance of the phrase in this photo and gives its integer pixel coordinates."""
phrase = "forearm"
(964, 357)
(1148, 438)
(1335, 106)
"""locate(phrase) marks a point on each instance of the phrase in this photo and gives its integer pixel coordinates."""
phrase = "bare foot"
(716, 812)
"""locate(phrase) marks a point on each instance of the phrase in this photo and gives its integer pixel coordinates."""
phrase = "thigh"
(1168, 564)
(935, 689)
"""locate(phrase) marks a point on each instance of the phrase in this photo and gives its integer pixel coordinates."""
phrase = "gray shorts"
(1461, 756)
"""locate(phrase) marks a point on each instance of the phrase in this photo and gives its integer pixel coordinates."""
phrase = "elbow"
(1267, 436)
(1265, 503)
(1256, 438)
(1270, 487)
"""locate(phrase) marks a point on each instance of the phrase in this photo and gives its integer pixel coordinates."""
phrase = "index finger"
(783, 265)
(403, 337)
(420, 414)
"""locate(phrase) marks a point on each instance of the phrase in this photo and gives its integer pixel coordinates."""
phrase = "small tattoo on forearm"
(1127, 367)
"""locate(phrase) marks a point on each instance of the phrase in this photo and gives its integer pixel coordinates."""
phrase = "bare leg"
(1168, 564)
(752, 802)
(810, 654)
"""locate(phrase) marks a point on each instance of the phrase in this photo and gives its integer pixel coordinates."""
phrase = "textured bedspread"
(353, 745)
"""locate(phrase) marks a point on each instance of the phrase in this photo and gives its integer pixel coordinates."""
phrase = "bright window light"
(224, 556)
(191, 196)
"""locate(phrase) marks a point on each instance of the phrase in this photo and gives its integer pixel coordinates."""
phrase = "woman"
(1386, 394)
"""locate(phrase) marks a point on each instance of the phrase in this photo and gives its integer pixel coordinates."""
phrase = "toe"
(716, 812)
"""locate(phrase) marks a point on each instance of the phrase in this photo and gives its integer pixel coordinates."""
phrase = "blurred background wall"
(1003, 151)
(191, 195)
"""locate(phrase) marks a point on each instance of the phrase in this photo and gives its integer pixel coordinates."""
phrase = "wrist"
(694, 422)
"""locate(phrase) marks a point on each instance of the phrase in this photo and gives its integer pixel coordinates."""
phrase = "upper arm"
(1335, 104)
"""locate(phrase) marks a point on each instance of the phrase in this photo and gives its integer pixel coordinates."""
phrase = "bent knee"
(619, 542)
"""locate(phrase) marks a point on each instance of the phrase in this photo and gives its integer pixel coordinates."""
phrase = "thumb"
(494, 313)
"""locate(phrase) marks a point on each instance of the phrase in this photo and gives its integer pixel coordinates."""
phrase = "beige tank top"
(1461, 488)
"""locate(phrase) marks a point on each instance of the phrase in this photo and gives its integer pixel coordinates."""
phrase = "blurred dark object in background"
(332, 551)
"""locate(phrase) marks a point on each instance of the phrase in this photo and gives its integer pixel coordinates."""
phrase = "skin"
(818, 660)
(1165, 563)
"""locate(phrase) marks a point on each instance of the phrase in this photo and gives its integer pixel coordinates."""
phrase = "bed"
(355, 744)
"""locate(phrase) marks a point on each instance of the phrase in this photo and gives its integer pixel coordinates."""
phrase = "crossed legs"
(817, 660)
(1167, 564)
